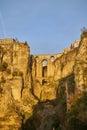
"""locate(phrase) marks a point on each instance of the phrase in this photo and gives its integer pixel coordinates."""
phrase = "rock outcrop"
(15, 82)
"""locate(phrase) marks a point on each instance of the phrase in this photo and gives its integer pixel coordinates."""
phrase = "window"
(44, 68)
(52, 58)
(44, 62)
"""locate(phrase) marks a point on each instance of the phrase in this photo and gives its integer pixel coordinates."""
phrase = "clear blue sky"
(48, 26)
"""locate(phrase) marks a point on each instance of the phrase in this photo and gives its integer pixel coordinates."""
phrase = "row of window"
(44, 62)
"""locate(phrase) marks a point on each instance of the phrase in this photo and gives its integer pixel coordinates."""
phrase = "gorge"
(40, 92)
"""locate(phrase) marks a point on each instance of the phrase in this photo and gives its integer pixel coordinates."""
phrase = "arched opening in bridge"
(44, 68)
(52, 58)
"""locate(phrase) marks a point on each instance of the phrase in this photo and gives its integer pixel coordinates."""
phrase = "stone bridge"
(45, 67)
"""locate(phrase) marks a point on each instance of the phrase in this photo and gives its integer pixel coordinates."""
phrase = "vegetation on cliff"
(77, 116)
(74, 119)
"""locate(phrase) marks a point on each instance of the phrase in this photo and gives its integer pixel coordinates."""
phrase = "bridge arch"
(44, 68)
(52, 58)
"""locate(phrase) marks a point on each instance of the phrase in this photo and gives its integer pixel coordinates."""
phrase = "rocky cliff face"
(32, 97)
(15, 82)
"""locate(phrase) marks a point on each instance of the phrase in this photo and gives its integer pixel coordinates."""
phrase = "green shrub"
(84, 33)
(2, 80)
(14, 73)
(77, 116)
(8, 71)
(1, 90)
(3, 66)
(26, 43)
(20, 73)
(17, 73)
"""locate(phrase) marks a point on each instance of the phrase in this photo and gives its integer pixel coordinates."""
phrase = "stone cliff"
(34, 88)
(15, 82)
